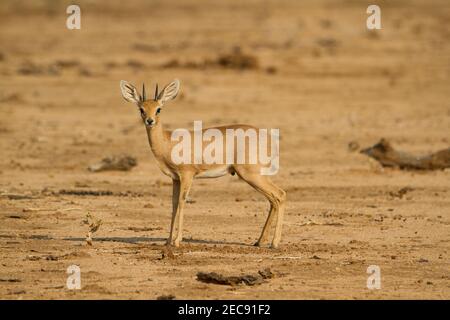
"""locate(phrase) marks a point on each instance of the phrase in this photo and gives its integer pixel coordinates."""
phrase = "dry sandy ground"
(323, 79)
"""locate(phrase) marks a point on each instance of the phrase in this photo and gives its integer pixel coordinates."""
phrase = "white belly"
(213, 173)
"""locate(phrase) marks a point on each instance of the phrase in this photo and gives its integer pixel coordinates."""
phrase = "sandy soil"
(322, 78)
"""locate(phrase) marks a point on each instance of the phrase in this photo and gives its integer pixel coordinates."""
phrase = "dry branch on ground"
(387, 156)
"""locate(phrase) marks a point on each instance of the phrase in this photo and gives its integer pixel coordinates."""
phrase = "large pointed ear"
(129, 92)
(170, 91)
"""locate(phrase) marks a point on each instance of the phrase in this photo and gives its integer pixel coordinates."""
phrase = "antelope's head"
(150, 109)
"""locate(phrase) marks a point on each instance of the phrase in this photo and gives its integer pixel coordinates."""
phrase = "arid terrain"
(309, 68)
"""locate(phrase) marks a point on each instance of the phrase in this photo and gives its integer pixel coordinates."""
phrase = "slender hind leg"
(267, 226)
(279, 225)
(276, 197)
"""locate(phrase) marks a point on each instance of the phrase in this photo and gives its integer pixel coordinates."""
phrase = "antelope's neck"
(157, 140)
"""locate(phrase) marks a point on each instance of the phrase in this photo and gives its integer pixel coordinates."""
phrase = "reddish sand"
(322, 79)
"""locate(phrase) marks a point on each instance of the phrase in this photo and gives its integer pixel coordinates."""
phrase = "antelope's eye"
(142, 112)
(158, 110)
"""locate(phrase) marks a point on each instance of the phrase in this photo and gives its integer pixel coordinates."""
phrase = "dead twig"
(387, 156)
(94, 225)
(248, 279)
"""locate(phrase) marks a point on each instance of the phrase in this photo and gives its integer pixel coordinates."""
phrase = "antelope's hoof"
(172, 243)
(177, 242)
(260, 243)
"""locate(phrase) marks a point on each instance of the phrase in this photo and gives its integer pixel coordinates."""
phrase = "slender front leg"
(175, 197)
(185, 186)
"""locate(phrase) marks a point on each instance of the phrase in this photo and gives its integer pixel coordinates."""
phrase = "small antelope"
(183, 174)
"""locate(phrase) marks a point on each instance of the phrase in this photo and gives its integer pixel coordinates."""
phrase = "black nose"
(148, 121)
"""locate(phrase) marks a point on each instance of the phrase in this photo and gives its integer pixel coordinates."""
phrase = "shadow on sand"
(153, 240)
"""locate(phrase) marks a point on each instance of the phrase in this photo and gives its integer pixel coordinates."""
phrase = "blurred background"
(309, 68)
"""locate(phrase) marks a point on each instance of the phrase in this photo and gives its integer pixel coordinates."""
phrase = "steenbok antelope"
(182, 174)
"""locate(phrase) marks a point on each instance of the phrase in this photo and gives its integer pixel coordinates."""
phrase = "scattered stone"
(12, 98)
(119, 163)
(190, 200)
(327, 43)
(45, 257)
(167, 253)
(353, 146)
(10, 280)
(33, 209)
(67, 63)
(400, 193)
(136, 64)
(143, 229)
(17, 291)
(30, 68)
(235, 60)
(79, 184)
(271, 70)
(14, 216)
(85, 72)
(266, 273)
(32, 258)
(95, 288)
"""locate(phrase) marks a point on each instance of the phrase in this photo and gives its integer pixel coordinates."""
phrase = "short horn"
(143, 92)
(156, 92)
